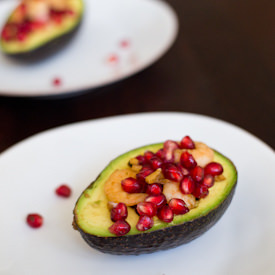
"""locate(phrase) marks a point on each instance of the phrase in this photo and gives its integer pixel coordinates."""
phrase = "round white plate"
(242, 242)
(117, 39)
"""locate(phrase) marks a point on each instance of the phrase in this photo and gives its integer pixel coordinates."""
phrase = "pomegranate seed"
(155, 162)
(158, 200)
(141, 159)
(34, 220)
(119, 212)
(197, 174)
(178, 206)
(125, 43)
(172, 172)
(201, 191)
(144, 223)
(160, 154)
(169, 147)
(120, 228)
(165, 214)
(131, 185)
(187, 185)
(154, 189)
(213, 168)
(144, 172)
(63, 191)
(183, 170)
(208, 180)
(187, 160)
(148, 155)
(56, 81)
(146, 209)
(113, 58)
(187, 143)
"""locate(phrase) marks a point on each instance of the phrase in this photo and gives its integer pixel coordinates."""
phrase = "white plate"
(242, 242)
(136, 32)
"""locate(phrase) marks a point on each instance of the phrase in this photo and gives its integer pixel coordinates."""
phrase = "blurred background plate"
(116, 39)
(242, 242)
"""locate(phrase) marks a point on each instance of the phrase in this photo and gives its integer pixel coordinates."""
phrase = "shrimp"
(171, 190)
(114, 191)
(202, 154)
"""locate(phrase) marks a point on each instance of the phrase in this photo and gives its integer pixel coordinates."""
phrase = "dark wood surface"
(221, 65)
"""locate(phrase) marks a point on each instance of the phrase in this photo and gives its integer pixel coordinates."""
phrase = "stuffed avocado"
(38, 28)
(155, 197)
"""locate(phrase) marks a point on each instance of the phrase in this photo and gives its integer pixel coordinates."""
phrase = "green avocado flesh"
(49, 34)
(92, 216)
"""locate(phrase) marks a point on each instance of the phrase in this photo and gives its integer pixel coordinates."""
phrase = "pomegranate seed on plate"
(187, 185)
(120, 228)
(63, 191)
(144, 223)
(144, 172)
(160, 154)
(187, 143)
(119, 212)
(34, 220)
(213, 168)
(155, 162)
(131, 185)
(56, 81)
(146, 209)
(165, 214)
(178, 206)
(148, 155)
(187, 160)
(172, 172)
(141, 159)
(169, 147)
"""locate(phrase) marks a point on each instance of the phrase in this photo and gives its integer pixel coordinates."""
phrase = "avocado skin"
(48, 49)
(162, 239)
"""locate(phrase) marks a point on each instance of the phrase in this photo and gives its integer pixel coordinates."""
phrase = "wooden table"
(221, 65)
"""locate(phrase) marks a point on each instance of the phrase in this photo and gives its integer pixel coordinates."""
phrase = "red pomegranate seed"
(144, 223)
(146, 209)
(213, 168)
(144, 172)
(131, 185)
(183, 170)
(197, 174)
(155, 162)
(119, 212)
(158, 200)
(120, 228)
(63, 191)
(165, 214)
(169, 147)
(160, 154)
(148, 155)
(187, 160)
(154, 189)
(187, 143)
(113, 58)
(187, 185)
(208, 180)
(178, 206)
(172, 172)
(34, 220)
(141, 159)
(201, 191)
(125, 43)
(56, 81)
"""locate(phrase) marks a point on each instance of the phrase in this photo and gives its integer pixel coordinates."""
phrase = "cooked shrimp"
(171, 190)
(114, 191)
(202, 154)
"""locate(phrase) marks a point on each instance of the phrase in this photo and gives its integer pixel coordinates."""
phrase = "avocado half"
(92, 216)
(42, 43)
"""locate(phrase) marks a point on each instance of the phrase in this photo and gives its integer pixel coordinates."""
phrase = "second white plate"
(116, 39)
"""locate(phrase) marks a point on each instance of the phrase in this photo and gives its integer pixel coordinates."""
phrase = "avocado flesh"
(92, 216)
(50, 33)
